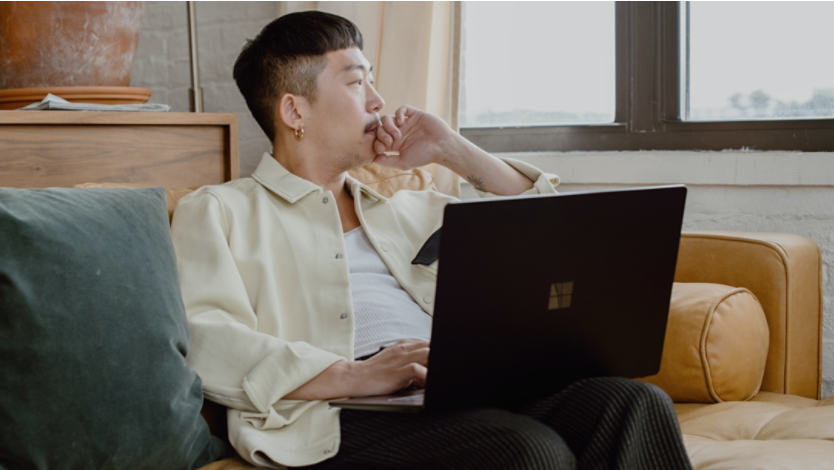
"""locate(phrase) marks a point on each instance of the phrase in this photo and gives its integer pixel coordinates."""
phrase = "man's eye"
(359, 82)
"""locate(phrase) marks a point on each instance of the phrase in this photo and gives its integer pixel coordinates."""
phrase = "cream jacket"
(266, 289)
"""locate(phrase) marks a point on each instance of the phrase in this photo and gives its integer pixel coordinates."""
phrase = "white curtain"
(414, 48)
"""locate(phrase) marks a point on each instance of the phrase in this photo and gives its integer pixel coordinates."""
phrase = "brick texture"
(162, 61)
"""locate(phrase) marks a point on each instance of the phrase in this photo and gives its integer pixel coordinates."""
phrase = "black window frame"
(648, 110)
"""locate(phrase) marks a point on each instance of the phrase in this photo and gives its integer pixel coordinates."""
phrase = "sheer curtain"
(414, 48)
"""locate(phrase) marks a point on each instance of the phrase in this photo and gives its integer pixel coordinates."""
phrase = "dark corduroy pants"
(599, 423)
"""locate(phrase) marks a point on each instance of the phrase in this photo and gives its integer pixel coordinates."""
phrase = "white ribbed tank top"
(384, 312)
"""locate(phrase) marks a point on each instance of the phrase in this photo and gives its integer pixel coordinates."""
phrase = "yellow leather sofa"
(785, 425)
(758, 404)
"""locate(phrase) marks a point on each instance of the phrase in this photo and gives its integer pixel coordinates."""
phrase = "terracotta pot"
(56, 44)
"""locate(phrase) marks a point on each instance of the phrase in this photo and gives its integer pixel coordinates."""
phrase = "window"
(759, 60)
(579, 78)
(675, 64)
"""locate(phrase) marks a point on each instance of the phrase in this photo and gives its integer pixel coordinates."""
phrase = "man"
(290, 275)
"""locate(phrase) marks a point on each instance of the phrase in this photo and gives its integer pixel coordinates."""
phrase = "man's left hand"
(419, 137)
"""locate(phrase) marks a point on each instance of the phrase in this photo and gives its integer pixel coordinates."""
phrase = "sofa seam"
(820, 301)
(755, 436)
(761, 379)
(705, 339)
(783, 257)
(702, 346)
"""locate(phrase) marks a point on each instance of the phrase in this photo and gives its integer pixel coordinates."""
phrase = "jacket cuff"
(284, 370)
(543, 183)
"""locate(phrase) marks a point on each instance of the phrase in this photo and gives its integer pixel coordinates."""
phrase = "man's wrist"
(451, 151)
(343, 375)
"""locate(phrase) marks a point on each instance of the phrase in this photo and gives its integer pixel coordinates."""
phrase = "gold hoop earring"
(299, 133)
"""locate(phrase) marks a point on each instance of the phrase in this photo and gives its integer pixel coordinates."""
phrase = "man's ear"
(291, 109)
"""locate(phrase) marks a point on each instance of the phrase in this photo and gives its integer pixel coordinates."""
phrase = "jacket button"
(324, 200)
(338, 256)
(343, 316)
(383, 246)
(427, 299)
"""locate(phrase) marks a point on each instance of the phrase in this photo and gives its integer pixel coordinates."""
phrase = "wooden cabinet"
(41, 149)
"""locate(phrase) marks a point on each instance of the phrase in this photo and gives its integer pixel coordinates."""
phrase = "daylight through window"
(760, 60)
(537, 63)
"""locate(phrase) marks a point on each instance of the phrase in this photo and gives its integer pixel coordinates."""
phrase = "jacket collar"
(355, 186)
(273, 176)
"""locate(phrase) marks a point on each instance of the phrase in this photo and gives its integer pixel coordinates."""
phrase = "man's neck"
(326, 176)
(312, 169)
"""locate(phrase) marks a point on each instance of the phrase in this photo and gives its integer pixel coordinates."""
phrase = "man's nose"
(375, 102)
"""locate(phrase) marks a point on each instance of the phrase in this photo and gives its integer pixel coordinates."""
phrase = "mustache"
(375, 123)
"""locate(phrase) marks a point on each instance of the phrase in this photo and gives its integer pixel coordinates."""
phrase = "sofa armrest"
(785, 273)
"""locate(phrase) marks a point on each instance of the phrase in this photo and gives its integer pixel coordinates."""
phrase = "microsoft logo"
(560, 294)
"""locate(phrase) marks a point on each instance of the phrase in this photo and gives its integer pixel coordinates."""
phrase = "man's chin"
(363, 160)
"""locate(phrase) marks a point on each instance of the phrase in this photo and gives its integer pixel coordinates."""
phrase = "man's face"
(346, 112)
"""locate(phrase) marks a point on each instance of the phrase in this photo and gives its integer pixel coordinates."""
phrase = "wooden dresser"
(40, 149)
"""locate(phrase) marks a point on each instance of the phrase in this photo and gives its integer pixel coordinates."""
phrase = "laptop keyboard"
(408, 399)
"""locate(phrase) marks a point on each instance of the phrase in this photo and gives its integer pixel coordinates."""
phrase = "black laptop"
(536, 292)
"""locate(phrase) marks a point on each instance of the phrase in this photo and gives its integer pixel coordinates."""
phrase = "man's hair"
(287, 57)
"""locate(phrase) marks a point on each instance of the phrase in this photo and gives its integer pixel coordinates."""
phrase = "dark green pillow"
(93, 335)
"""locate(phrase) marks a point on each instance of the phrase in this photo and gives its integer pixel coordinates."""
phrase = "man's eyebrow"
(357, 66)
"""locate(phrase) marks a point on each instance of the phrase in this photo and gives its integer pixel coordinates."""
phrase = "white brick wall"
(162, 62)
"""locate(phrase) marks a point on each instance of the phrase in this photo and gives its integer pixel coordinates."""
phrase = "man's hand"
(420, 138)
(396, 367)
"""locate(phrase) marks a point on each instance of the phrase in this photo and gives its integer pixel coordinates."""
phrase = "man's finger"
(400, 115)
(410, 110)
(384, 137)
(411, 344)
(415, 371)
(419, 356)
(390, 127)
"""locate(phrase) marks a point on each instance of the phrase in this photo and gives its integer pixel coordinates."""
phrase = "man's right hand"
(394, 368)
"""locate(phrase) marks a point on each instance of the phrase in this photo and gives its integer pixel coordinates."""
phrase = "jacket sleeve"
(240, 367)
(543, 183)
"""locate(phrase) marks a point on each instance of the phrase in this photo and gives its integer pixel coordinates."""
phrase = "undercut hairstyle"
(287, 57)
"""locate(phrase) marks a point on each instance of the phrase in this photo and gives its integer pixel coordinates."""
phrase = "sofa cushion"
(771, 431)
(716, 345)
(173, 195)
(93, 335)
(784, 271)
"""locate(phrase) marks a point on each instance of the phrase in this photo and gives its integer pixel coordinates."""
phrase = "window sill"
(730, 167)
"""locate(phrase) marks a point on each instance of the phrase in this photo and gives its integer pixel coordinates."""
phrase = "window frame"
(648, 103)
